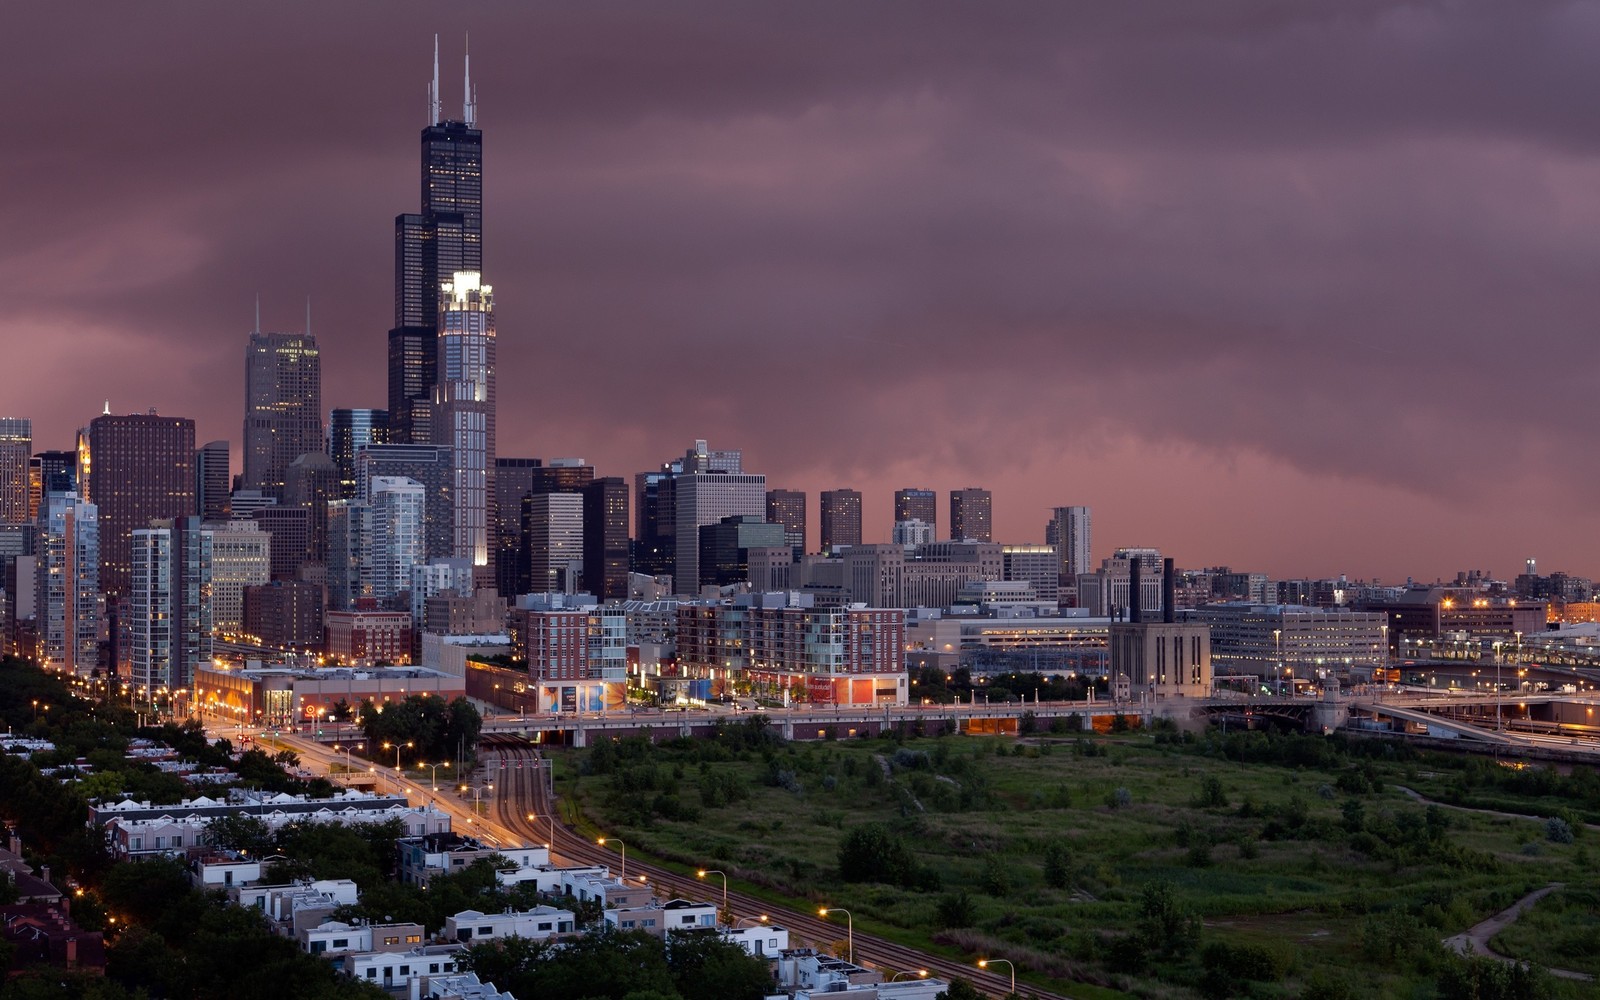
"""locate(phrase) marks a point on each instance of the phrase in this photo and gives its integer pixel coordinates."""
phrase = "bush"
(954, 909)
(871, 853)
(1057, 865)
(996, 876)
(1558, 830)
(1211, 794)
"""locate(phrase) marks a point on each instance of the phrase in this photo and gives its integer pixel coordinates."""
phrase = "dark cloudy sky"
(1306, 288)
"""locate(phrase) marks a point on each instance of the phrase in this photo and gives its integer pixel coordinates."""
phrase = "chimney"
(1135, 611)
(1169, 592)
(72, 952)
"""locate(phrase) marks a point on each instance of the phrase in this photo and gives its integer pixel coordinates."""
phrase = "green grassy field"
(1309, 872)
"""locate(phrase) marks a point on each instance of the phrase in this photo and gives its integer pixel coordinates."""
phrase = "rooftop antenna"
(107, 411)
(469, 100)
(435, 112)
(258, 312)
(308, 315)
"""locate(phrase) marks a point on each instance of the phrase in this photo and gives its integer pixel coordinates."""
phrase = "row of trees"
(424, 727)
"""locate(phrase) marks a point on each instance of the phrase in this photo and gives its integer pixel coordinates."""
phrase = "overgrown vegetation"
(1160, 862)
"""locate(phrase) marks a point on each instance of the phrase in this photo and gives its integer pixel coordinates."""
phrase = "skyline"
(1261, 288)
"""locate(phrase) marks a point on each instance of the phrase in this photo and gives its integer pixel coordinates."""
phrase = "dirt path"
(1475, 940)
(1417, 796)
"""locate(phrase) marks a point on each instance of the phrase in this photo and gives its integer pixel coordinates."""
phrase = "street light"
(396, 747)
(849, 928)
(435, 768)
(920, 974)
(479, 788)
(702, 873)
(347, 766)
(624, 847)
(756, 921)
(1277, 653)
(984, 963)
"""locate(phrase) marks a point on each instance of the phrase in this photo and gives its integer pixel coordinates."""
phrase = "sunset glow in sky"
(1302, 288)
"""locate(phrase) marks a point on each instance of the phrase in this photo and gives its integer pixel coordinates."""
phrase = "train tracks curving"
(525, 792)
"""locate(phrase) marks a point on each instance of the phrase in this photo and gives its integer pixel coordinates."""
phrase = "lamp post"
(702, 873)
(984, 963)
(624, 848)
(435, 768)
(920, 974)
(849, 928)
(476, 790)
(1499, 658)
(755, 921)
(1277, 656)
(396, 748)
(347, 765)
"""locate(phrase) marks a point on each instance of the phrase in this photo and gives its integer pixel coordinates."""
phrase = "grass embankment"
(1291, 863)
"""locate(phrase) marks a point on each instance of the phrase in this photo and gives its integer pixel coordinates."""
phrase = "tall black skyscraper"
(429, 248)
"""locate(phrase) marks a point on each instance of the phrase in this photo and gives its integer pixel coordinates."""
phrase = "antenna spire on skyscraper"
(469, 100)
(308, 315)
(258, 312)
(435, 109)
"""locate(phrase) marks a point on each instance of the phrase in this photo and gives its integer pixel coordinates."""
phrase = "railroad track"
(525, 792)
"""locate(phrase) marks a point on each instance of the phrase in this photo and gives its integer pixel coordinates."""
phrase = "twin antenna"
(258, 314)
(469, 100)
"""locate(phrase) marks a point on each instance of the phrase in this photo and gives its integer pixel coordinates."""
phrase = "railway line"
(525, 805)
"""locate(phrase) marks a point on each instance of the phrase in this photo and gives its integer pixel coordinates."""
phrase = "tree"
(1166, 925)
(240, 832)
(960, 989)
(871, 853)
(1057, 865)
(709, 967)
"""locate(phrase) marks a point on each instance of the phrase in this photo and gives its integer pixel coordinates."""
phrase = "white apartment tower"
(169, 604)
(463, 409)
(68, 584)
(1069, 532)
(395, 541)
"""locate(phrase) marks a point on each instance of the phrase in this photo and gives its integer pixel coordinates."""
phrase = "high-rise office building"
(552, 531)
(559, 475)
(788, 508)
(16, 448)
(971, 515)
(169, 608)
(725, 547)
(709, 486)
(912, 504)
(67, 585)
(50, 472)
(605, 538)
(309, 483)
(841, 519)
(241, 557)
(427, 464)
(140, 468)
(213, 481)
(282, 408)
(350, 430)
(1069, 532)
(430, 247)
(513, 480)
(374, 544)
(652, 523)
(463, 410)
(289, 528)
